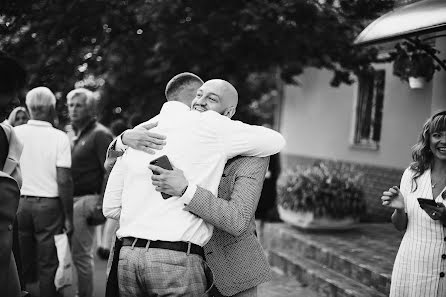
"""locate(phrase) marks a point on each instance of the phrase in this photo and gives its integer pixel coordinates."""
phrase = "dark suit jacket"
(10, 182)
(9, 202)
(234, 253)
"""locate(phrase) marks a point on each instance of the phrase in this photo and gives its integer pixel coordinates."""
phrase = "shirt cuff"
(119, 146)
(189, 194)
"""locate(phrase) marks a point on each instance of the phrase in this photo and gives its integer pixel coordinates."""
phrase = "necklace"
(433, 185)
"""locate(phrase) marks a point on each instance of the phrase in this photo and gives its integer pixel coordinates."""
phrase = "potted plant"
(322, 196)
(413, 65)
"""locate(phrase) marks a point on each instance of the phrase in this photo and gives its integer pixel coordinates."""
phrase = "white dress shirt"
(44, 149)
(197, 143)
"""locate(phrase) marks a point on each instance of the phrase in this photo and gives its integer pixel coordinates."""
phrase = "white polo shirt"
(197, 143)
(44, 149)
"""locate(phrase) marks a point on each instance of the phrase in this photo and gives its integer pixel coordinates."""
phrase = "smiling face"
(437, 138)
(217, 95)
(438, 145)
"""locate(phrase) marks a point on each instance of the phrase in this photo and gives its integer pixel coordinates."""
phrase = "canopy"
(418, 18)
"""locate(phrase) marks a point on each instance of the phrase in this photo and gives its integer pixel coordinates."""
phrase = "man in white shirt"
(46, 204)
(200, 144)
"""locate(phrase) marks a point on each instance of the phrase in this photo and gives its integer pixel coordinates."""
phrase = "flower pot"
(306, 220)
(417, 82)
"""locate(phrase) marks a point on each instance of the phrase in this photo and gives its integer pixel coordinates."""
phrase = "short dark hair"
(12, 74)
(178, 82)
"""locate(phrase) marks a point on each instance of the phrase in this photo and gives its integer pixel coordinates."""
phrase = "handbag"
(64, 272)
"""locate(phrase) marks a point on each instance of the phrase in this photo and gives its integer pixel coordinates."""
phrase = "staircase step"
(319, 278)
(283, 285)
(363, 256)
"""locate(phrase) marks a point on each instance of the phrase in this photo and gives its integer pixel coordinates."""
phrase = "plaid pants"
(160, 273)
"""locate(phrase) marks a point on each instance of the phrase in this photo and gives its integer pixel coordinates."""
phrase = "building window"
(369, 110)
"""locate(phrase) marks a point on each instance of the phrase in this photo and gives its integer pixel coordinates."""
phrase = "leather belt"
(37, 197)
(179, 246)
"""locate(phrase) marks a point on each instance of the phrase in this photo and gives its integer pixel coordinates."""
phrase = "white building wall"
(318, 120)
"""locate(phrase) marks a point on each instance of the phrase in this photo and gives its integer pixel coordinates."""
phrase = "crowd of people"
(181, 227)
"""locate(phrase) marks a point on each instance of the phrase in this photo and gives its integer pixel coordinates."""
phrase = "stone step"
(365, 255)
(319, 278)
(284, 286)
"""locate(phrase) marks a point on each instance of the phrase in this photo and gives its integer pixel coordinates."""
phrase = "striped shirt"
(420, 265)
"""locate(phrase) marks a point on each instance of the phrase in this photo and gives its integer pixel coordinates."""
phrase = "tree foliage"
(128, 50)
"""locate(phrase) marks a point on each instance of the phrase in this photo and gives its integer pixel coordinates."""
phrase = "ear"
(229, 112)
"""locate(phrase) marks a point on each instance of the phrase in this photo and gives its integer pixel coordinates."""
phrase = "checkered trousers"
(159, 272)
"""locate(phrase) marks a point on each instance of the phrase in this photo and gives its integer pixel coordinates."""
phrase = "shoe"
(103, 253)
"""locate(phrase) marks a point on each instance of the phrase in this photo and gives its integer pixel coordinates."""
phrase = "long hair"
(421, 153)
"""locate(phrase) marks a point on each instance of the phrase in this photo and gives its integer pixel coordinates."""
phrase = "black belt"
(37, 197)
(179, 246)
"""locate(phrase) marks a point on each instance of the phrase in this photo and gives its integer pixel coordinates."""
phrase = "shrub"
(326, 190)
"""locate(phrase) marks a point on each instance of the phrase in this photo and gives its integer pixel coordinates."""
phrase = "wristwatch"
(184, 191)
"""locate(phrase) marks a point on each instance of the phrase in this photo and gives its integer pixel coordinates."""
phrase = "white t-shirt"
(44, 149)
(197, 143)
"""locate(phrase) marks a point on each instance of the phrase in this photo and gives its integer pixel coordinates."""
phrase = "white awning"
(418, 18)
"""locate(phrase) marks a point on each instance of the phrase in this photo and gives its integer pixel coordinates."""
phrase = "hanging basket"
(417, 82)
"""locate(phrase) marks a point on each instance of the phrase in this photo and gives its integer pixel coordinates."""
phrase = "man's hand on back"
(172, 182)
(140, 138)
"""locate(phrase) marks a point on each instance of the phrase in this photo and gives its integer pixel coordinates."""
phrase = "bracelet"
(184, 191)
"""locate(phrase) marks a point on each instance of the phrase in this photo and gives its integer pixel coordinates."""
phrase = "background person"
(18, 116)
(46, 204)
(420, 265)
(12, 80)
(89, 141)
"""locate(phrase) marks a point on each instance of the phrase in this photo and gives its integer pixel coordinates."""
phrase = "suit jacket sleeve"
(232, 215)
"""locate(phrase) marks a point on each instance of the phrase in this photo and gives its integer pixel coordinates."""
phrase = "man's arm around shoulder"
(139, 138)
(242, 139)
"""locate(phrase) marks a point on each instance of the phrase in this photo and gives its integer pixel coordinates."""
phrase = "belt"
(37, 197)
(179, 246)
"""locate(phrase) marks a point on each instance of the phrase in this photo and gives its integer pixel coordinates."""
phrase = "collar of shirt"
(39, 123)
(174, 106)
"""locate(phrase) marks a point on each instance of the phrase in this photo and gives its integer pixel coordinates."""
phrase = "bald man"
(160, 238)
(217, 95)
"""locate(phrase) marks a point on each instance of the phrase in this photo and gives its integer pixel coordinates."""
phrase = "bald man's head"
(217, 95)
